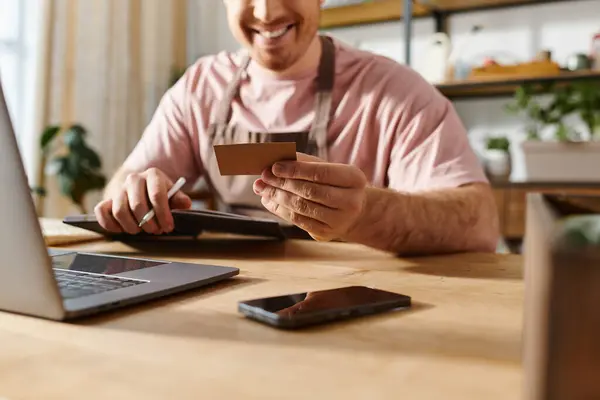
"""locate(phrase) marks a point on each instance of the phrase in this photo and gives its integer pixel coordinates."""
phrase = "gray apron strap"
(323, 102)
(224, 109)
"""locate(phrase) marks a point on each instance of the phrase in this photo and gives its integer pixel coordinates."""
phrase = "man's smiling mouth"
(270, 34)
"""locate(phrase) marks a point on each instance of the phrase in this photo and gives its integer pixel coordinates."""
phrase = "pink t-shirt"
(388, 121)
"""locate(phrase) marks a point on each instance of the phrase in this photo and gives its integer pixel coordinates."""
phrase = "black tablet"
(191, 223)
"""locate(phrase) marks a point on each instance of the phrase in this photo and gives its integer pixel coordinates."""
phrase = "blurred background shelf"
(377, 11)
(367, 13)
(510, 196)
(505, 87)
(459, 6)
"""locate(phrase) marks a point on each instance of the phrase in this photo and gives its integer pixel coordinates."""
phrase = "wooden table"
(461, 340)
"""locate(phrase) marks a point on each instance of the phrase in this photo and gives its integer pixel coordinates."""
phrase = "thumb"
(320, 238)
(308, 158)
(181, 201)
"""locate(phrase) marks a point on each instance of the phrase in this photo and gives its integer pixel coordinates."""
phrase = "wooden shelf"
(392, 10)
(503, 87)
(454, 6)
(367, 13)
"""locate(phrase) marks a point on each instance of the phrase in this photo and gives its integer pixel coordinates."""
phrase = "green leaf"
(86, 183)
(581, 99)
(74, 138)
(89, 157)
(498, 143)
(48, 135)
(512, 108)
(562, 133)
(522, 97)
(66, 184)
(77, 192)
(58, 165)
(75, 168)
(532, 134)
(78, 129)
(536, 113)
(581, 231)
(96, 182)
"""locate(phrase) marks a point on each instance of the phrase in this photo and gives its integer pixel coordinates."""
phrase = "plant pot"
(498, 164)
(561, 161)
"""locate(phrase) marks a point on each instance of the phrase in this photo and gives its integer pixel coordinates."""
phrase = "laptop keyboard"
(74, 284)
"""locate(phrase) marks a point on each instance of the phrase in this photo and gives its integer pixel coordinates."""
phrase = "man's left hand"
(324, 199)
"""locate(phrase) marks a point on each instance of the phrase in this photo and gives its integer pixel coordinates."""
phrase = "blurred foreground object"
(562, 298)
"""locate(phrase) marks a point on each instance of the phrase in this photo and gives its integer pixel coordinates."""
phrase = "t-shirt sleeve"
(169, 142)
(431, 149)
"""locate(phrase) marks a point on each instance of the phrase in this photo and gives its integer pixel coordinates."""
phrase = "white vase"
(497, 163)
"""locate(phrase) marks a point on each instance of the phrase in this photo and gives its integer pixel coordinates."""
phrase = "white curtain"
(105, 64)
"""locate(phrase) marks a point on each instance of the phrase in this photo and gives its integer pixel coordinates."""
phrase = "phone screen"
(333, 302)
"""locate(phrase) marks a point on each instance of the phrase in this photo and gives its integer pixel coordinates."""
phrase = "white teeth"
(274, 34)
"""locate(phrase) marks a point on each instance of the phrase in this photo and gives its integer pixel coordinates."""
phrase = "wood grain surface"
(460, 340)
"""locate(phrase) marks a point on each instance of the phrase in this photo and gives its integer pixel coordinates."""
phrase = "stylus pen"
(178, 185)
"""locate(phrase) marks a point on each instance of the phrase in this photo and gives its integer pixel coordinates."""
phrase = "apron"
(236, 192)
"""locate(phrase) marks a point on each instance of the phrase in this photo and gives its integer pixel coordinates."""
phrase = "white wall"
(515, 34)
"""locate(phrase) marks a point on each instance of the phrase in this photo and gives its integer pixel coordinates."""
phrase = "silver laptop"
(59, 285)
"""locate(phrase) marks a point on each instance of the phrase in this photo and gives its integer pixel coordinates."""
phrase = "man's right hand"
(125, 207)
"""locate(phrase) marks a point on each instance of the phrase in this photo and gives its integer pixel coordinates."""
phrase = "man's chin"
(273, 62)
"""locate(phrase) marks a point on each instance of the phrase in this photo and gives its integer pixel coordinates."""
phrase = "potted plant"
(497, 157)
(563, 131)
(77, 166)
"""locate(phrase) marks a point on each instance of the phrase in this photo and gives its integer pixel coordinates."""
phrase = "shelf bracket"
(441, 21)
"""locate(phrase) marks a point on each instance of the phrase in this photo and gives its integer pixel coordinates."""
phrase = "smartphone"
(310, 308)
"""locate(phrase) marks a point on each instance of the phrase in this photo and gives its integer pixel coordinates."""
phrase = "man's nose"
(268, 10)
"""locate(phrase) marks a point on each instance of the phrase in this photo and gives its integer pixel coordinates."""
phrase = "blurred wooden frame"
(371, 12)
(561, 341)
(393, 10)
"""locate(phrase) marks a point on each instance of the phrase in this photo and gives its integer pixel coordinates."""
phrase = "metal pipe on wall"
(408, 12)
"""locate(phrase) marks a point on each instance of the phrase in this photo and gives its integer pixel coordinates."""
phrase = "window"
(18, 36)
(11, 55)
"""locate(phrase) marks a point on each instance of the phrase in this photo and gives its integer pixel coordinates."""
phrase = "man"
(383, 158)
